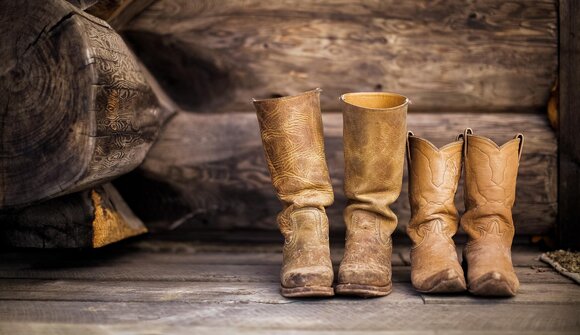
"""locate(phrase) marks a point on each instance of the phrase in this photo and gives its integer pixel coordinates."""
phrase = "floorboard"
(362, 315)
(146, 286)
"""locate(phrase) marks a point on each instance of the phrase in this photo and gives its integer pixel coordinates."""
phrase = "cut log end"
(77, 110)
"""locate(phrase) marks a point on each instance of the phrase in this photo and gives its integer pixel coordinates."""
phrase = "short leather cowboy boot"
(490, 192)
(433, 178)
(291, 130)
(374, 152)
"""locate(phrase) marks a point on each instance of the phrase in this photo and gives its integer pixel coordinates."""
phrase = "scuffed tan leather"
(433, 178)
(374, 152)
(291, 131)
(490, 191)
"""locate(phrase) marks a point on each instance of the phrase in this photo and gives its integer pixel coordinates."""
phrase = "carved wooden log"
(76, 110)
(87, 219)
(117, 12)
(219, 177)
(447, 55)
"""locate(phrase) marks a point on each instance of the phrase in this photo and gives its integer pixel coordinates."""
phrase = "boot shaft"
(491, 171)
(433, 179)
(374, 150)
(490, 187)
(293, 142)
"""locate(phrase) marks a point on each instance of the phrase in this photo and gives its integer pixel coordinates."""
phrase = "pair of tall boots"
(489, 193)
(374, 151)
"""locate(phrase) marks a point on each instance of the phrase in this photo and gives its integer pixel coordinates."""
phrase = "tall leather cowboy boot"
(490, 192)
(433, 179)
(291, 130)
(374, 152)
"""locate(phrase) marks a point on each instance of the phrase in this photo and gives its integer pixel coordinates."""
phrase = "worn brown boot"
(433, 179)
(291, 130)
(490, 192)
(374, 152)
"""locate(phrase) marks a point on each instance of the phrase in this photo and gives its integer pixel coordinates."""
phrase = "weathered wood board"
(237, 292)
(446, 55)
(218, 177)
(317, 316)
(76, 109)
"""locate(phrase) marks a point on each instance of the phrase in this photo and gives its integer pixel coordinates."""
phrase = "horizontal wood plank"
(164, 291)
(445, 55)
(529, 293)
(27, 328)
(216, 177)
(363, 315)
(163, 286)
(180, 269)
(242, 293)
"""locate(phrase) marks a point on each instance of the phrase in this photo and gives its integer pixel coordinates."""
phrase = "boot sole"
(306, 291)
(365, 291)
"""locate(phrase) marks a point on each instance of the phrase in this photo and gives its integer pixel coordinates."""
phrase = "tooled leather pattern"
(291, 131)
(433, 179)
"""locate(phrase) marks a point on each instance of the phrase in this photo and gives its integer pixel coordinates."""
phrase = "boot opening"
(375, 100)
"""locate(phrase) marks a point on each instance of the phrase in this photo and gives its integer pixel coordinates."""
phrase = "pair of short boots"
(489, 193)
(374, 136)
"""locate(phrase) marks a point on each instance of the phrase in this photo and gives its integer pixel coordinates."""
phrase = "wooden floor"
(157, 285)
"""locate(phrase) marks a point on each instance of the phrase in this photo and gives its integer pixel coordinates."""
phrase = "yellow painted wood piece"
(114, 220)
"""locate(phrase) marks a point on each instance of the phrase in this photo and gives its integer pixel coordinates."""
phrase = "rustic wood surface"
(76, 109)
(218, 177)
(160, 286)
(87, 219)
(118, 12)
(445, 55)
(569, 117)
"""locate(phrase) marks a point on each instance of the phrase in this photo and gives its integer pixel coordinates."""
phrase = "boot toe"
(364, 275)
(446, 281)
(308, 276)
(495, 283)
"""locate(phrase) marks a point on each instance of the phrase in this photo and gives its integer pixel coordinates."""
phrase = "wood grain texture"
(83, 4)
(161, 287)
(76, 108)
(242, 293)
(184, 268)
(87, 219)
(218, 178)
(376, 315)
(445, 55)
(569, 118)
(118, 12)
(164, 291)
(61, 328)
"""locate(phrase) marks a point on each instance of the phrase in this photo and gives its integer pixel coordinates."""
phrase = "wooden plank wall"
(484, 64)
(220, 175)
(446, 55)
